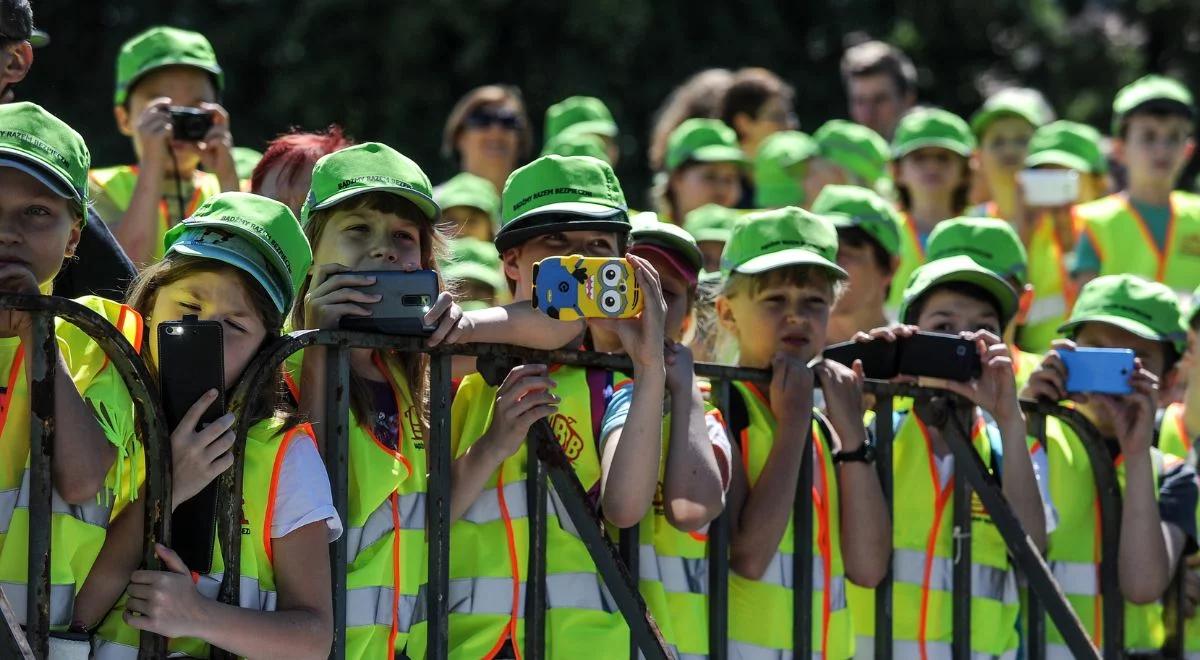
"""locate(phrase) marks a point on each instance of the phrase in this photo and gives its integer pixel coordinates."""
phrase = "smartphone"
(405, 298)
(189, 124)
(575, 287)
(191, 361)
(1049, 187)
(1098, 370)
(879, 358)
(937, 355)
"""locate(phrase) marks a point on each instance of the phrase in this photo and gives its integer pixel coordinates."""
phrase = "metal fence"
(616, 563)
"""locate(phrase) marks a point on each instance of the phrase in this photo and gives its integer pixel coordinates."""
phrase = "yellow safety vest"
(117, 184)
(1175, 440)
(912, 255)
(266, 447)
(1125, 245)
(1054, 294)
(923, 559)
(1074, 545)
(1024, 364)
(77, 531)
(760, 611)
(385, 530)
(487, 607)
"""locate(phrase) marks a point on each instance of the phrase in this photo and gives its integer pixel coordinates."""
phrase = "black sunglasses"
(506, 119)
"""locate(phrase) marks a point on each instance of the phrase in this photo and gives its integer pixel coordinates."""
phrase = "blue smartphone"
(1098, 370)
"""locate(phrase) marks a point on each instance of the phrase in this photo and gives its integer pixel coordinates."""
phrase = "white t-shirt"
(303, 495)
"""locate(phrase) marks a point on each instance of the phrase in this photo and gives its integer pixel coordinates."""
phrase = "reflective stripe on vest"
(62, 601)
(379, 525)
(92, 512)
(678, 575)
(908, 566)
(865, 648)
(1076, 579)
(486, 507)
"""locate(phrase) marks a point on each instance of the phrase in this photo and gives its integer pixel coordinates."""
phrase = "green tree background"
(391, 70)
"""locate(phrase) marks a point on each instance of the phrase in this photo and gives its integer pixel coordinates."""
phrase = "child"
(781, 282)
(993, 244)
(955, 296)
(1003, 128)
(704, 166)
(285, 171)
(780, 166)
(473, 268)
(157, 70)
(43, 197)
(1050, 233)
(1147, 230)
(847, 154)
(554, 206)
(586, 115)
(757, 104)
(574, 143)
(710, 225)
(696, 457)
(930, 166)
(471, 204)
(868, 250)
(1158, 512)
(237, 261)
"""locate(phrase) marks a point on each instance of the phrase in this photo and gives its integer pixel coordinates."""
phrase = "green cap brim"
(981, 277)
(718, 235)
(982, 120)
(596, 126)
(429, 207)
(237, 260)
(474, 271)
(1129, 325)
(1060, 158)
(944, 143)
(716, 153)
(49, 177)
(789, 257)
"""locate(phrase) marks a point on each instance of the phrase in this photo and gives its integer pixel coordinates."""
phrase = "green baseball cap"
(473, 259)
(1146, 89)
(854, 206)
(160, 47)
(46, 148)
(711, 222)
(574, 143)
(1146, 308)
(777, 179)
(244, 161)
(704, 141)
(959, 268)
(466, 189)
(853, 147)
(1067, 144)
(991, 242)
(1020, 102)
(668, 239)
(582, 114)
(789, 236)
(364, 168)
(561, 193)
(932, 127)
(253, 233)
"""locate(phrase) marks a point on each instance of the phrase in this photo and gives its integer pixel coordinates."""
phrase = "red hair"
(298, 149)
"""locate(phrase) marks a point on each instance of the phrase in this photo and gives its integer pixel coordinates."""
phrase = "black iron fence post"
(536, 493)
(718, 555)
(337, 463)
(884, 431)
(42, 368)
(438, 510)
(960, 418)
(1035, 615)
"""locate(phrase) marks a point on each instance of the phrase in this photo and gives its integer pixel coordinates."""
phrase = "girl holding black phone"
(219, 268)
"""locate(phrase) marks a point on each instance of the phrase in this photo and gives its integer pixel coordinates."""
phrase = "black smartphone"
(189, 124)
(937, 355)
(879, 358)
(405, 298)
(191, 361)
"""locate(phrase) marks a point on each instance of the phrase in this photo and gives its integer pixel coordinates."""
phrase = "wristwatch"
(864, 454)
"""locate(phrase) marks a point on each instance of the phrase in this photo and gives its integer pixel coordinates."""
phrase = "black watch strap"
(864, 454)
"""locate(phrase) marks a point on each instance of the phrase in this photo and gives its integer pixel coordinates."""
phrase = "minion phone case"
(575, 287)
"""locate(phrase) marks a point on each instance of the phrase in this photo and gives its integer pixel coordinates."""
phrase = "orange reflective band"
(14, 370)
(821, 502)
(1181, 426)
(1160, 256)
(941, 499)
(910, 229)
(269, 518)
(396, 581)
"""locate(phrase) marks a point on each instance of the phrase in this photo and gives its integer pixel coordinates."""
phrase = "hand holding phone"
(575, 287)
(920, 354)
(404, 297)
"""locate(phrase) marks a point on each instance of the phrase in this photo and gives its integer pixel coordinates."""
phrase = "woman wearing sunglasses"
(487, 133)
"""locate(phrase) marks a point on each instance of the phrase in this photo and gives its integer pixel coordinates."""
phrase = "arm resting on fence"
(82, 456)
(1146, 561)
(693, 492)
(631, 454)
(120, 556)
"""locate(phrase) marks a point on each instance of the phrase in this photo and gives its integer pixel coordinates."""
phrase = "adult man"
(881, 85)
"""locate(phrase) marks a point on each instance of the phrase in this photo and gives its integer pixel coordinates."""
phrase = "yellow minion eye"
(610, 274)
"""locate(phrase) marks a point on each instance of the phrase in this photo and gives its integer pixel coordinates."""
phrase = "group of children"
(852, 239)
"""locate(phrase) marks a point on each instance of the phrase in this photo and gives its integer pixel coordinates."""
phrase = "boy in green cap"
(1003, 128)
(849, 154)
(782, 280)
(704, 165)
(868, 250)
(43, 202)
(1050, 233)
(471, 205)
(1159, 493)
(585, 115)
(931, 168)
(780, 169)
(554, 206)
(158, 70)
(1148, 229)
(710, 225)
(955, 295)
